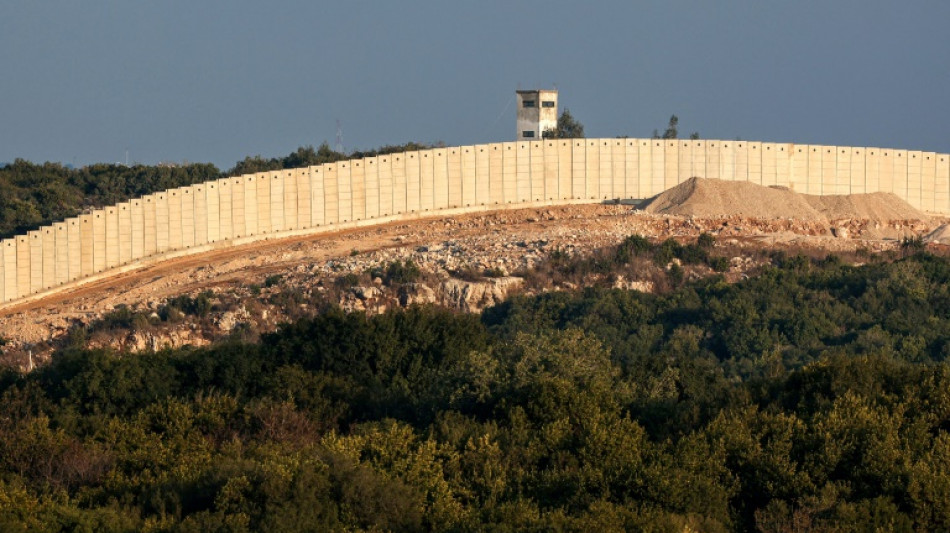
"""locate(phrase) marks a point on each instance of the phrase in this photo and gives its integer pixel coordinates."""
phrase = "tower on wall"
(537, 112)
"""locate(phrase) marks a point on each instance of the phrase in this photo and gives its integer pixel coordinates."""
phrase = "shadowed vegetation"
(813, 395)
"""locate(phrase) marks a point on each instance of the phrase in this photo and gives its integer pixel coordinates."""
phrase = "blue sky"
(83, 82)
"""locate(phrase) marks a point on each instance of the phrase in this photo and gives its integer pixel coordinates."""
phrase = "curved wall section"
(453, 180)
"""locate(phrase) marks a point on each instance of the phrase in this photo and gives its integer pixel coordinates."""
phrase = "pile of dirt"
(717, 198)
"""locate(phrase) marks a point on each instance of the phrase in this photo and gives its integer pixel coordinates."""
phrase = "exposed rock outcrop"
(474, 296)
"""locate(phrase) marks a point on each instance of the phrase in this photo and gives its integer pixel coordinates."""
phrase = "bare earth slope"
(717, 198)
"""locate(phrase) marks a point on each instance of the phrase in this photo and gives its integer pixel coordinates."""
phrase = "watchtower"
(537, 112)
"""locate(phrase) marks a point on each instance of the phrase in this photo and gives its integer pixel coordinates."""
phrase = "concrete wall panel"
(913, 178)
(87, 234)
(523, 181)
(578, 169)
(783, 165)
(829, 170)
(886, 171)
(49, 256)
(592, 169)
(163, 224)
(358, 186)
(187, 197)
(112, 236)
(684, 163)
(769, 175)
(928, 174)
(3, 270)
(331, 190)
(317, 194)
(699, 163)
(631, 154)
(437, 172)
(149, 230)
(235, 217)
(798, 168)
(618, 167)
(496, 183)
(400, 184)
(814, 169)
(727, 160)
(468, 176)
(427, 180)
(536, 164)
(371, 181)
(137, 215)
(605, 179)
(264, 221)
(454, 173)
(23, 265)
(124, 212)
(386, 191)
(8, 249)
(35, 242)
(713, 158)
(483, 174)
(843, 170)
(741, 158)
(226, 209)
(755, 162)
(413, 182)
(175, 224)
(899, 172)
(199, 195)
(290, 199)
(858, 171)
(611, 169)
(551, 156)
(304, 198)
(565, 163)
(658, 158)
(942, 184)
(251, 216)
(209, 230)
(61, 254)
(872, 169)
(645, 151)
(277, 221)
(671, 163)
(509, 172)
(74, 243)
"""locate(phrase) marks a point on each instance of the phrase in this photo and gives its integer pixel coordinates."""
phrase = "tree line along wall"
(327, 197)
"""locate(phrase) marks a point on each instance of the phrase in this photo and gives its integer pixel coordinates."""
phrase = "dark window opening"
(527, 133)
(528, 103)
(547, 103)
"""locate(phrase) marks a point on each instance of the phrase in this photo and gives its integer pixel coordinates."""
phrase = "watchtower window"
(547, 103)
(527, 133)
(529, 103)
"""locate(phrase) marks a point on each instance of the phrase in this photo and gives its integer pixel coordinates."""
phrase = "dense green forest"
(814, 396)
(32, 195)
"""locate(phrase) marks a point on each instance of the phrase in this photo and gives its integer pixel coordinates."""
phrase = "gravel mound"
(717, 198)
(941, 235)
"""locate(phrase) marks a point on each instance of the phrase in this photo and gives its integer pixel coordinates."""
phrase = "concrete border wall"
(439, 181)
